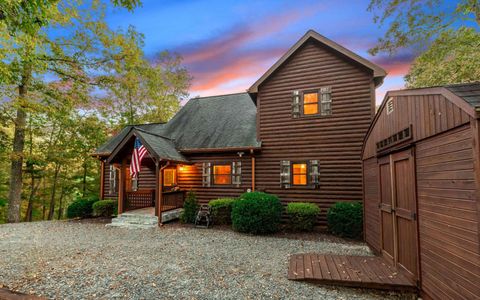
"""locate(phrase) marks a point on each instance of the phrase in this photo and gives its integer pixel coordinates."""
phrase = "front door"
(398, 211)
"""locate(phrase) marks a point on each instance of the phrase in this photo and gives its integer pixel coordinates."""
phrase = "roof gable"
(378, 72)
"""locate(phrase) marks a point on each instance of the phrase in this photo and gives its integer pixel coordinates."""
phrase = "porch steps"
(132, 220)
(143, 221)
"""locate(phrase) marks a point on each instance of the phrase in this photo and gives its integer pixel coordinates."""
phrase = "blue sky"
(227, 45)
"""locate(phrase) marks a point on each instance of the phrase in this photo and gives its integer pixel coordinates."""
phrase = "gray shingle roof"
(110, 145)
(227, 121)
(163, 147)
(470, 92)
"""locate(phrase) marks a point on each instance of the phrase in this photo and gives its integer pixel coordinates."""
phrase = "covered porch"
(155, 192)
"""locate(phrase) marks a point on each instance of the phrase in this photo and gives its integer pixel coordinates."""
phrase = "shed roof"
(470, 92)
(217, 122)
(378, 72)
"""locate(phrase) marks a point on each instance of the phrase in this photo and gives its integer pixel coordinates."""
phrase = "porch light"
(181, 168)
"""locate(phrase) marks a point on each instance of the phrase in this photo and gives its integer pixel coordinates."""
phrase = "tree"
(43, 39)
(146, 92)
(452, 58)
(418, 22)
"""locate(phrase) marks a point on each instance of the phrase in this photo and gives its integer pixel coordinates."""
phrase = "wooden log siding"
(448, 217)
(190, 177)
(336, 140)
(146, 179)
(428, 115)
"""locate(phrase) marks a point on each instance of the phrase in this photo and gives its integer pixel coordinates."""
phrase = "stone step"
(135, 220)
(131, 226)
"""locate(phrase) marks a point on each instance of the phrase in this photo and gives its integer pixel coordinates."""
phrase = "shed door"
(398, 208)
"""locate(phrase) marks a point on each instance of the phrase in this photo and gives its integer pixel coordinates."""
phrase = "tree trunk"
(15, 193)
(60, 204)
(84, 188)
(54, 188)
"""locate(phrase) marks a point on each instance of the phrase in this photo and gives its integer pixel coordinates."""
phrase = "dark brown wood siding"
(335, 140)
(371, 202)
(447, 216)
(190, 177)
(146, 179)
(428, 115)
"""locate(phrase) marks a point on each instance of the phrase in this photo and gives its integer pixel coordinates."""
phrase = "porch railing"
(172, 200)
(140, 199)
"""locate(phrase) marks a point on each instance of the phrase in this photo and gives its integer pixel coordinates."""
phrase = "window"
(169, 177)
(222, 174)
(310, 103)
(299, 172)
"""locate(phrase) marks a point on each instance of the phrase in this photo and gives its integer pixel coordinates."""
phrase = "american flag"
(139, 151)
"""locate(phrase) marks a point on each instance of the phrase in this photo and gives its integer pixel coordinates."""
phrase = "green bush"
(345, 219)
(190, 209)
(81, 208)
(257, 213)
(221, 210)
(302, 216)
(105, 208)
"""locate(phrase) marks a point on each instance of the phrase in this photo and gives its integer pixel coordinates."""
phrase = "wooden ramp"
(353, 271)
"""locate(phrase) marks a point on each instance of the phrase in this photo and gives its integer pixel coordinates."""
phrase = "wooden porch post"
(160, 194)
(156, 187)
(102, 179)
(121, 187)
(253, 170)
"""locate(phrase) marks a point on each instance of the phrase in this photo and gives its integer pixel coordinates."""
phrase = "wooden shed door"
(398, 209)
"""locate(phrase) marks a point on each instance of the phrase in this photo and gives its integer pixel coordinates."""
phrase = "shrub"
(81, 208)
(190, 208)
(302, 216)
(222, 210)
(345, 219)
(256, 213)
(105, 208)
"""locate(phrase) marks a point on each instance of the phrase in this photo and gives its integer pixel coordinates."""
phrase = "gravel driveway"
(71, 260)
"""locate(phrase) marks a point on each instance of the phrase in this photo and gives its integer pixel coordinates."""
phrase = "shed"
(421, 181)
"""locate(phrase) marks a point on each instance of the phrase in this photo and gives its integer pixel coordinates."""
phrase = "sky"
(227, 45)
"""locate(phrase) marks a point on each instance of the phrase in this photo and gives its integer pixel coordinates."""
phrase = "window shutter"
(135, 183)
(326, 101)
(237, 173)
(314, 173)
(296, 104)
(285, 174)
(206, 174)
(111, 180)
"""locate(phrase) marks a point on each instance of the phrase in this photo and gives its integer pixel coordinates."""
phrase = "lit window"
(310, 103)
(169, 177)
(299, 174)
(222, 174)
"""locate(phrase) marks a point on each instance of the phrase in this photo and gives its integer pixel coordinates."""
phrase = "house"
(297, 133)
(421, 170)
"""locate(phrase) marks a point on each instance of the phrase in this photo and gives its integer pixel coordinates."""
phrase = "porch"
(155, 191)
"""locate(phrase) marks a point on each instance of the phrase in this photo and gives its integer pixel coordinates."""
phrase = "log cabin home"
(297, 132)
(421, 170)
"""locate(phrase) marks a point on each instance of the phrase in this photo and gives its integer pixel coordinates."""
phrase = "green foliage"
(81, 208)
(222, 210)
(61, 66)
(417, 22)
(302, 216)
(454, 57)
(257, 213)
(105, 208)
(190, 208)
(345, 219)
